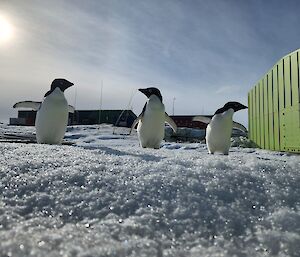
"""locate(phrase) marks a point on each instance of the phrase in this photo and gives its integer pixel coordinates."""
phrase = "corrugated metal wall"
(274, 107)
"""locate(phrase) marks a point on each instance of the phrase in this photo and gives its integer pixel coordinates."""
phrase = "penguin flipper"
(71, 109)
(135, 122)
(28, 104)
(239, 126)
(203, 119)
(171, 122)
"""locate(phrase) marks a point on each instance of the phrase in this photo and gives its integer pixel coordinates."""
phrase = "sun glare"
(6, 30)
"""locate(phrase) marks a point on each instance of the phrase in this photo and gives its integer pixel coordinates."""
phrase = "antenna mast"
(100, 104)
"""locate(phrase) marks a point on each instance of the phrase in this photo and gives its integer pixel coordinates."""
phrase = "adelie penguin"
(219, 128)
(52, 114)
(151, 122)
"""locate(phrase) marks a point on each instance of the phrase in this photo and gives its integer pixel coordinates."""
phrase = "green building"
(274, 107)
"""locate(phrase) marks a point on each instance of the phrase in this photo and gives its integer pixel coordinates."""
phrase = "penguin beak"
(65, 86)
(243, 107)
(143, 90)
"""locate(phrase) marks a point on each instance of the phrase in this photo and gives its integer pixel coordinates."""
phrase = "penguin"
(151, 121)
(52, 114)
(219, 128)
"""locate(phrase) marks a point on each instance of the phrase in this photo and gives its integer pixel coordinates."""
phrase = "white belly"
(218, 133)
(151, 128)
(51, 121)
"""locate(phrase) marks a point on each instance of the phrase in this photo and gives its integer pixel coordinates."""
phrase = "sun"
(6, 30)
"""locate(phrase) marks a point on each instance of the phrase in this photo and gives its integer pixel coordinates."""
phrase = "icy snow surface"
(106, 196)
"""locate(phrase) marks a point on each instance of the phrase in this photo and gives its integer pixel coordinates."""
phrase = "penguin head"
(236, 106)
(62, 84)
(151, 91)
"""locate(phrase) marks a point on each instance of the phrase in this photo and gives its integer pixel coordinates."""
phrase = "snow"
(106, 196)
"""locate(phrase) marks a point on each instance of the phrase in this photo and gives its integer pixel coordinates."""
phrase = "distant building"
(25, 118)
(186, 121)
(191, 131)
(121, 118)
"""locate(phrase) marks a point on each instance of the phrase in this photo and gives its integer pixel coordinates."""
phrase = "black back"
(143, 111)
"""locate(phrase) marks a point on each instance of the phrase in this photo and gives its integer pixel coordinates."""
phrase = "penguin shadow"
(111, 151)
(74, 136)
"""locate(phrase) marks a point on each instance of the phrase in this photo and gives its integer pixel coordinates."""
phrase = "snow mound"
(242, 141)
(113, 198)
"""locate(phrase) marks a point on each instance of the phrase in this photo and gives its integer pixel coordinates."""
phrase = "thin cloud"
(228, 90)
(194, 51)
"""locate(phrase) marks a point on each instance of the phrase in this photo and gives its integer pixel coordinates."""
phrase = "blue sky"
(203, 53)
